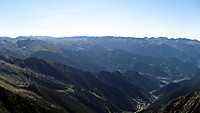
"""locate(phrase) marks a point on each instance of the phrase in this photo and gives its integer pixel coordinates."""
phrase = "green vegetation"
(61, 91)
(97, 96)
(68, 89)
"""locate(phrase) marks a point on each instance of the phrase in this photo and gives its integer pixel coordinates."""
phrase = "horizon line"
(100, 36)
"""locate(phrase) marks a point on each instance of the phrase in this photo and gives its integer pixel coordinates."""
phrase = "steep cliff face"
(189, 103)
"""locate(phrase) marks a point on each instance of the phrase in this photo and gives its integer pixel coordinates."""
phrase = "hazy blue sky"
(137, 18)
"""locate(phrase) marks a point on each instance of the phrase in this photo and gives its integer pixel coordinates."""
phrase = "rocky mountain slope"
(189, 103)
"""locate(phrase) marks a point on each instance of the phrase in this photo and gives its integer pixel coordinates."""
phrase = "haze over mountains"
(98, 74)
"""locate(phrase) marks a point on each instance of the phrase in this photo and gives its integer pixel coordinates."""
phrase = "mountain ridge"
(97, 74)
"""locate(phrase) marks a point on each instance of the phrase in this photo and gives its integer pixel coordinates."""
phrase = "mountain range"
(98, 74)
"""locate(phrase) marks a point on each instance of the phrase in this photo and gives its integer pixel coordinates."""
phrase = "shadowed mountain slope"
(189, 103)
(52, 82)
